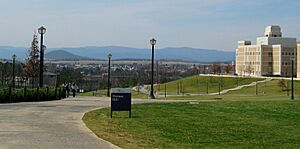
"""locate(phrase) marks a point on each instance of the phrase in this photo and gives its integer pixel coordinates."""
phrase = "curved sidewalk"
(54, 124)
(50, 125)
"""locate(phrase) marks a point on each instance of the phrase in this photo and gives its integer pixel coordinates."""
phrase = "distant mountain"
(6, 52)
(118, 52)
(63, 55)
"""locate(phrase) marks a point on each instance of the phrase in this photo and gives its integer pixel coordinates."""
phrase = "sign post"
(120, 100)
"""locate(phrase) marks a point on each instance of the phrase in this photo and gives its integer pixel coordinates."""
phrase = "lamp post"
(152, 42)
(108, 76)
(42, 31)
(292, 59)
(2, 67)
(13, 73)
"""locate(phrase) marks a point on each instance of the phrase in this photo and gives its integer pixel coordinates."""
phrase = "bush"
(9, 95)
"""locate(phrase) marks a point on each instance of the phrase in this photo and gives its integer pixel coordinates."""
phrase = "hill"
(63, 55)
(119, 52)
(204, 84)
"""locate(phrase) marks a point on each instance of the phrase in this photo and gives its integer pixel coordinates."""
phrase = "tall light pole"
(152, 42)
(108, 75)
(2, 67)
(42, 31)
(13, 73)
(292, 59)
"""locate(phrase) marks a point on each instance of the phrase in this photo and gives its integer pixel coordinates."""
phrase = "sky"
(209, 24)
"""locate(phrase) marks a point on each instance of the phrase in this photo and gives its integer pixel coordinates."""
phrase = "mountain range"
(119, 52)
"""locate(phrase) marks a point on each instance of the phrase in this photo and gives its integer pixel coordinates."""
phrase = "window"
(270, 54)
(270, 63)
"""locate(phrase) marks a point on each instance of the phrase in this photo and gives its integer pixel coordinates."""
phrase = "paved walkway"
(49, 125)
(241, 87)
(52, 125)
(158, 94)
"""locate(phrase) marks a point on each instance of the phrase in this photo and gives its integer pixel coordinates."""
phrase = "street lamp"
(42, 31)
(108, 76)
(2, 68)
(13, 75)
(152, 42)
(293, 59)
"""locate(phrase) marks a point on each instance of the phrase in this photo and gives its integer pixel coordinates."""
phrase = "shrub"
(30, 94)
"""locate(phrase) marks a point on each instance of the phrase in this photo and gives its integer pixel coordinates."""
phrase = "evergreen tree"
(31, 67)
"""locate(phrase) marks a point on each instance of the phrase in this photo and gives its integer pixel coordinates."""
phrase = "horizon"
(100, 46)
(120, 52)
(217, 24)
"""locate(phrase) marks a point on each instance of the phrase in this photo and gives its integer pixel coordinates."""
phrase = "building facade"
(271, 55)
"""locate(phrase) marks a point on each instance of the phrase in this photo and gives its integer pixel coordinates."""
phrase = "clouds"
(197, 23)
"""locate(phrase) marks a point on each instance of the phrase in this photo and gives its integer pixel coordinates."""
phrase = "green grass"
(269, 89)
(103, 92)
(198, 84)
(135, 94)
(233, 122)
(139, 95)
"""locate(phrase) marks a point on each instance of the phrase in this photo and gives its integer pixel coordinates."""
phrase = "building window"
(270, 54)
(270, 63)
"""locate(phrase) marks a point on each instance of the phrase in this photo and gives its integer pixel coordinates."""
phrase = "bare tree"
(281, 83)
(228, 68)
(216, 68)
(248, 69)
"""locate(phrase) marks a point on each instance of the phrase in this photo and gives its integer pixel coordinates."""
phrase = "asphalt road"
(50, 125)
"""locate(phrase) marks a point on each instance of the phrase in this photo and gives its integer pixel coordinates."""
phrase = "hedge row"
(10, 95)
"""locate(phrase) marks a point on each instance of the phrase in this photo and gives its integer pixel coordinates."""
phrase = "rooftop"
(273, 31)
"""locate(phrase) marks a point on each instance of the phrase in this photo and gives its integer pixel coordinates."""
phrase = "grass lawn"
(104, 92)
(198, 84)
(135, 94)
(233, 122)
(268, 88)
(139, 95)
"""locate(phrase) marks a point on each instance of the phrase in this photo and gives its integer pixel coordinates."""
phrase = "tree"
(281, 84)
(31, 67)
(249, 69)
(216, 68)
(68, 75)
(228, 68)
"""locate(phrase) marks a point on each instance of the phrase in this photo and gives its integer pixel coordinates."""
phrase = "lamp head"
(42, 30)
(152, 41)
(14, 56)
(109, 55)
